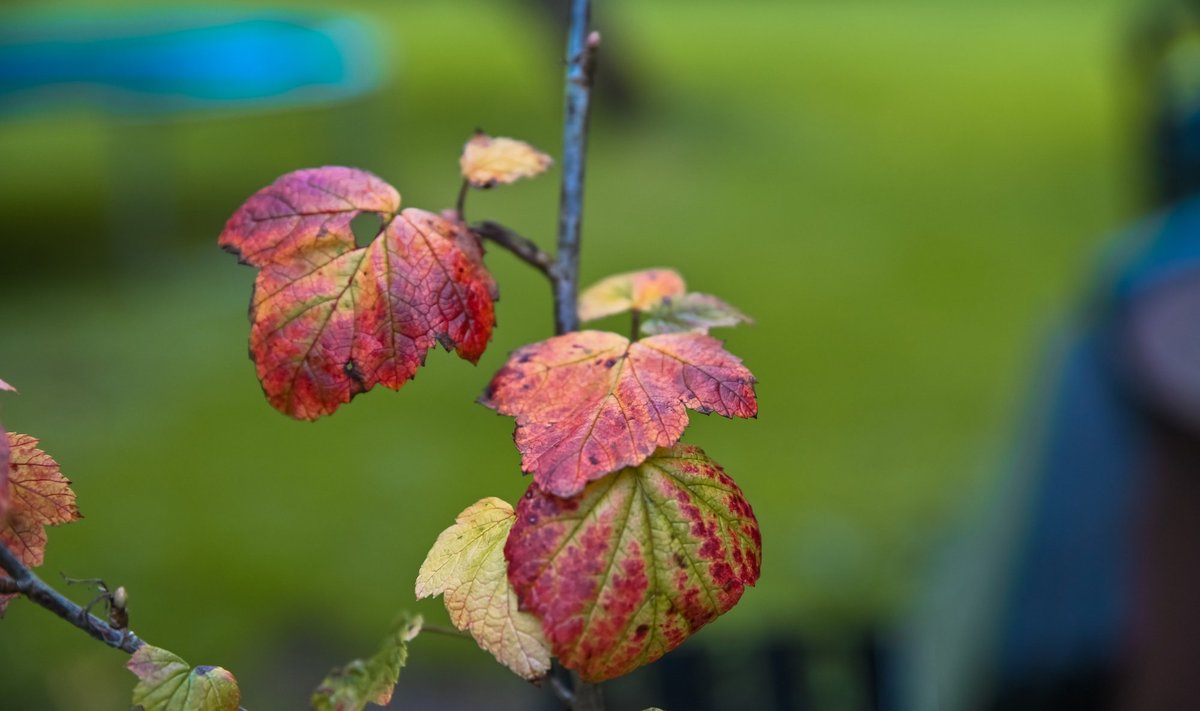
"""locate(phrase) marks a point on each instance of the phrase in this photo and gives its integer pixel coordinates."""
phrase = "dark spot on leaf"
(610, 362)
(641, 631)
(204, 669)
(593, 459)
(525, 358)
(679, 560)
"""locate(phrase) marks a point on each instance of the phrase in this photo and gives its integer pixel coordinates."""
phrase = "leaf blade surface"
(466, 565)
(590, 402)
(635, 564)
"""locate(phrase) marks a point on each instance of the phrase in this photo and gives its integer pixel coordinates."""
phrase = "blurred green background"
(906, 196)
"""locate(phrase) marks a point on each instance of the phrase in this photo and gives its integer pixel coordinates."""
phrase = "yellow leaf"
(633, 291)
(488, 161)
(467, 566)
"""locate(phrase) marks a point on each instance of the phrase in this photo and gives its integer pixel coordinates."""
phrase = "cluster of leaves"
(627, 541)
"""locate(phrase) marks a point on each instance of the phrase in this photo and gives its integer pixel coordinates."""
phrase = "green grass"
(906, 197)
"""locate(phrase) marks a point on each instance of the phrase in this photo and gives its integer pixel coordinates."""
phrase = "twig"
(585, 696)
(461, 203)
(635, 323)
(444, 631)
(27, 583)
(525, 249)
(581, 70)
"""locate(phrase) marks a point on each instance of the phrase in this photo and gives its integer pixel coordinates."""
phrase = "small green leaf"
(363, 681)
(167, 683)
(691, 312)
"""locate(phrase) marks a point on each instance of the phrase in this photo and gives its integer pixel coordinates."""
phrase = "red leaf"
(301, 208)
(589, 403)
(330, 320)
(41, 496)
(634, 565)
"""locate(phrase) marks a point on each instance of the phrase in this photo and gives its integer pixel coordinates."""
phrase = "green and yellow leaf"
(167, 683)
(466, 565)
(363, 681)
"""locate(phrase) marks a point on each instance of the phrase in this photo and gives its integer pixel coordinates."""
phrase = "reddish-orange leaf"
(488, 161)
(637, 291)
(330, 320)
(625, 571)
(589, 403)
(41, 496)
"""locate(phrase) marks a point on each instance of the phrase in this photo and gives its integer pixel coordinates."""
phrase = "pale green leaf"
(467, 566)
(691, 312)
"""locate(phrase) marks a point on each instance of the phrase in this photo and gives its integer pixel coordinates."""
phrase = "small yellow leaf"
(467, 566)
(488, 161)
(632, 291)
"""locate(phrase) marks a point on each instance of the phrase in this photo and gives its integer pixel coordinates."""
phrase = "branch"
(525, 249)
(581, 72)
(27, 583)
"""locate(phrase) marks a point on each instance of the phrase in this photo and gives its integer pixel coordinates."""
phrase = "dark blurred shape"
(1102, 611)
(183, 61)
(1166, 54)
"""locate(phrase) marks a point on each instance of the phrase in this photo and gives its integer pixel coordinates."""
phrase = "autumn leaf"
(488, 161)
(691, 312)
(637, 291)
(40, 496)
(167, 683)
(5, 489)
(590, 402)
(330, 320)
(6, 387)
(467, 566)
(352, 687)
(634, 565)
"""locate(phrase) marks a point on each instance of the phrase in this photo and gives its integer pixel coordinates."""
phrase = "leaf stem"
(27, 583)
(461, 202)
(525, 248)
(582, 45)
(445, 631)
(635, 323)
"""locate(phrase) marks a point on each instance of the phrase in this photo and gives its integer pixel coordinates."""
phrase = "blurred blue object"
(184, 60)
(1065, 590)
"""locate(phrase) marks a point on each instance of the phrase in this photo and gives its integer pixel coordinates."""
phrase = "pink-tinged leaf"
(633, 291)
(306, 209)
(369, 681)
(329, 321)
(6, 387)
(40, 496)
(634, 565)
(589, 403)
(466, 565)
(167, 683)
(691, 312)
(488, 161)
